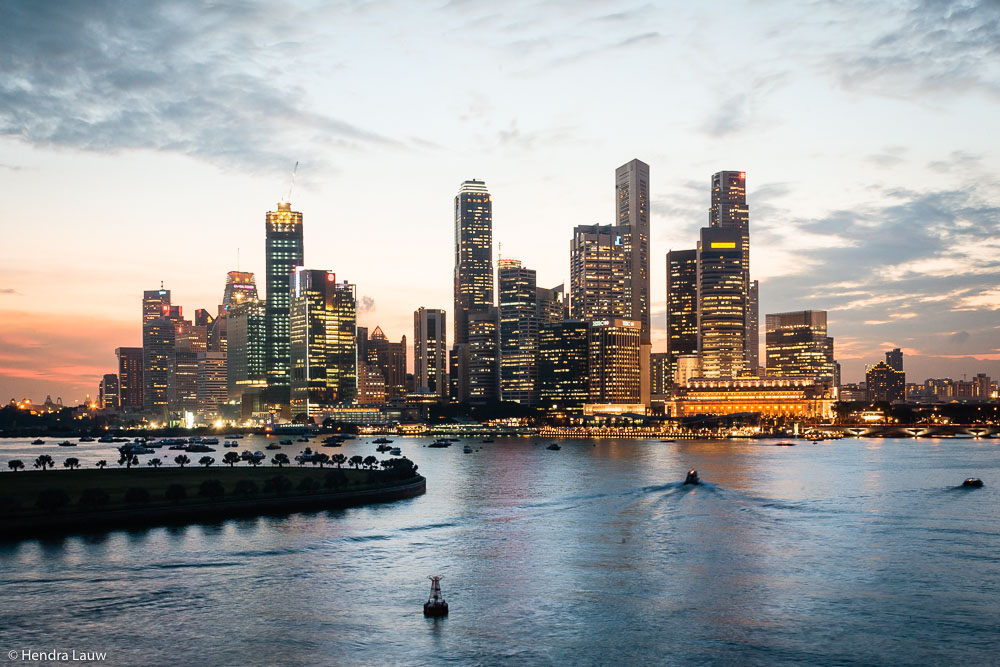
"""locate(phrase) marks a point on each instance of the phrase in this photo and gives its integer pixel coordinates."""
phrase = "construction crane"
(291, 184)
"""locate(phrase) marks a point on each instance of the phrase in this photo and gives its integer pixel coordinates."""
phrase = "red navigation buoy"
(435, 605)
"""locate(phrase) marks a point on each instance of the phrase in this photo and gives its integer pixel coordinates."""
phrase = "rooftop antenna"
(500, 250)
(292, 183)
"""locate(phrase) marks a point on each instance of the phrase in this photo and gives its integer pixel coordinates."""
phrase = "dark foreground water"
(848, 552)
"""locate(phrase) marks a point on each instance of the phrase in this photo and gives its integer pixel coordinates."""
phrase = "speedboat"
(285, 442)
(39, 441)
(692, 477)
(273, 446)
(667, 440)
(381, 441)
(784, 444)
(383, 448)
(467, 449)
(67, 443)
(554, 447)
(396, 451)
(105, 438)
(86, 438)
(438, 444)
(973, 483)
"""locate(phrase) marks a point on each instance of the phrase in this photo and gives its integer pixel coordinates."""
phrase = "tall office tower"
(894, 358)
(129, 377)
(598, 273)
(551, 305)
(473, 254)
(246, 328)
(241, 286)
(211, 382)
(660, 377)
(682, 307)
(614, 361)
(203, 318)
(563, 360)
(632, 199)
(323, 346)
(158, 335)
(189, 341)
(155, 303)
(484, 356)
(390, 359)
(371, 384)
(458, 373)
(108, 393)
(362, 336)
(729, 210)
(721, 303)
(284, 252)
(517, 297)
(797, 345)
(430, 351)
(884, 383)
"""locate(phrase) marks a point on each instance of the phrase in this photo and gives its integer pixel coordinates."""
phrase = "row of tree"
(128, 459)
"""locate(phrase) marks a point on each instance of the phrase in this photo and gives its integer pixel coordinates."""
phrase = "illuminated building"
(284, 252)
(430, 351)
(323, 345)
(458, 372)
(682, 307)
(797, 345)
(517, 293)
(551, 305)
(721, 299)
(129, 377)
(894, 358)
(158, 335)
(598, 273)
(885, 383)
(484, 357)
(108, 392)
(245, 332)
(729, 210)
(189, 340)
(613, 361)
(153, 302)
(563, 362)
(241, 287)
(853, 392)
(767, 396)
(390, 359)
(660, 377)
(632, 203)
(371, 384)
(211, 381)
(473, 253)
(687, 366)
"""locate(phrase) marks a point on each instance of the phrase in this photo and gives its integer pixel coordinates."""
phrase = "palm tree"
(355, 461)
(339, 459)
(44, 461)
(182, 460)
(102, 464)
(156, 463)
(206, 461)
(71, 463)
(128, 459)
(370, 462)
(15, 464)
(231, 459)
(280, 460)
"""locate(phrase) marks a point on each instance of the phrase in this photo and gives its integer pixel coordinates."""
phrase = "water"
(845, 552)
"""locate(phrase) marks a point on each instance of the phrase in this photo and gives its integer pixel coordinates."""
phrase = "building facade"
(721, 303)
(284, 251)
(430, 351)
(518, 311)
(390, 360)
(108, 394)
(884, 383)
(245, 365)
(129, 377)
(768, 396)
(682, 307)
(211, 382)
(598, 273)
(473, 254)
(563, 363)
(613, 362)
(797, 345)
(483, 357)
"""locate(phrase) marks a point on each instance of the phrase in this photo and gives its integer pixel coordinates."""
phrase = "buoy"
(435, 605)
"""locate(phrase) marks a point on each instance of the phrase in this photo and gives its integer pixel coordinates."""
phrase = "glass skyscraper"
(430, 351)
(284, 252)
(598, 272)
(797, 345)
(473, 254)
(517, 295)
(721, 303)
(682, 308)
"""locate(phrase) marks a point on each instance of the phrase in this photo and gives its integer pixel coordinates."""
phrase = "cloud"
(739, 111)
(958, 337)
(366, 305)
(890, 156)
(9, 291)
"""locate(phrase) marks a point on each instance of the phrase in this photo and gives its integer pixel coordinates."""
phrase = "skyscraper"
(483, 356)
(884, 383)
(241, 286)
(473, 254)
(108, 392)
(430, 351)
(682, 308)
(153, 303)
(551, 304)
(598, 272)
(158, 335)
(613, 366)
(129, 377)
(729, 210)
(721, 303)
(797, 345)
(190, 340)
(517, 294)
(894, 358)
(284, 252)
(211, 382)
(563, 362)
(632, 198)
(246, 326)
(389, 359)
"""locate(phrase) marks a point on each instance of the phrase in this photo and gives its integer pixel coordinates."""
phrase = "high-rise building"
(598, 273)
(563, 359)
(797, 345)
(390, 360)
(632, 203)
(155, 303)
(613, 365)
(884, 383)
(430, 351)
(473, 254)
(129, 377)
(682, 308)
(721, 303)
(517, 297)
(551, 305)
(158, 335)
(246, 329)
(894, 358)
(189, 341)
(323, 346)
(284, 252)
(484, 356)
(371, 384)
(108, 392)
(729, 210)
(211, 382)
(753, 329)
(458, 372)
(660, 375)
(241, 287)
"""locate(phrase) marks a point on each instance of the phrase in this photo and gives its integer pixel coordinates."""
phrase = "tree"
(176, 493)
(50, 500)
(44, 461)
(245, 487)
(102, 464)
(231, 459)
(156, 463)
(321, 459)
(206, 461)
(280, 460)
(136, 496)
(182, 460)
(339, 459)
(254, 461)
(355, 461)
(94, 497)
(127, 458)
(211, 488)
(370, 462)
(71, 463)
(15, 464)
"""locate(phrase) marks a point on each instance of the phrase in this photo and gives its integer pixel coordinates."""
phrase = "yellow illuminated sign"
(723, 244)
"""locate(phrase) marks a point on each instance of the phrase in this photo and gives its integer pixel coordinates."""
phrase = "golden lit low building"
(769, 396)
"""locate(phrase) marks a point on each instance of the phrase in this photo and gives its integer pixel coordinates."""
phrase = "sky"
(144, 142)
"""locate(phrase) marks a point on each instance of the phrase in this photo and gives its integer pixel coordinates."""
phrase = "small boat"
(692, 477)
(487, 441)
(39, 441)
(438, 444)
(383, 448)
(67, 443)
(554, 447)
(86, 438)
(285, 442)
(667, 440)
(784, 444)
(209, 441)
(178, 447)
(303, 439)
(396, 451)
(273, 446)
(972, 482)
(106, 438)
(199, 448)
(381, 441)
(467, 449)
(234, 436)
(435, 605)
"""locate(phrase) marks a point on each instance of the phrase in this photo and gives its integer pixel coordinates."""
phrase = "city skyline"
(890, 228)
